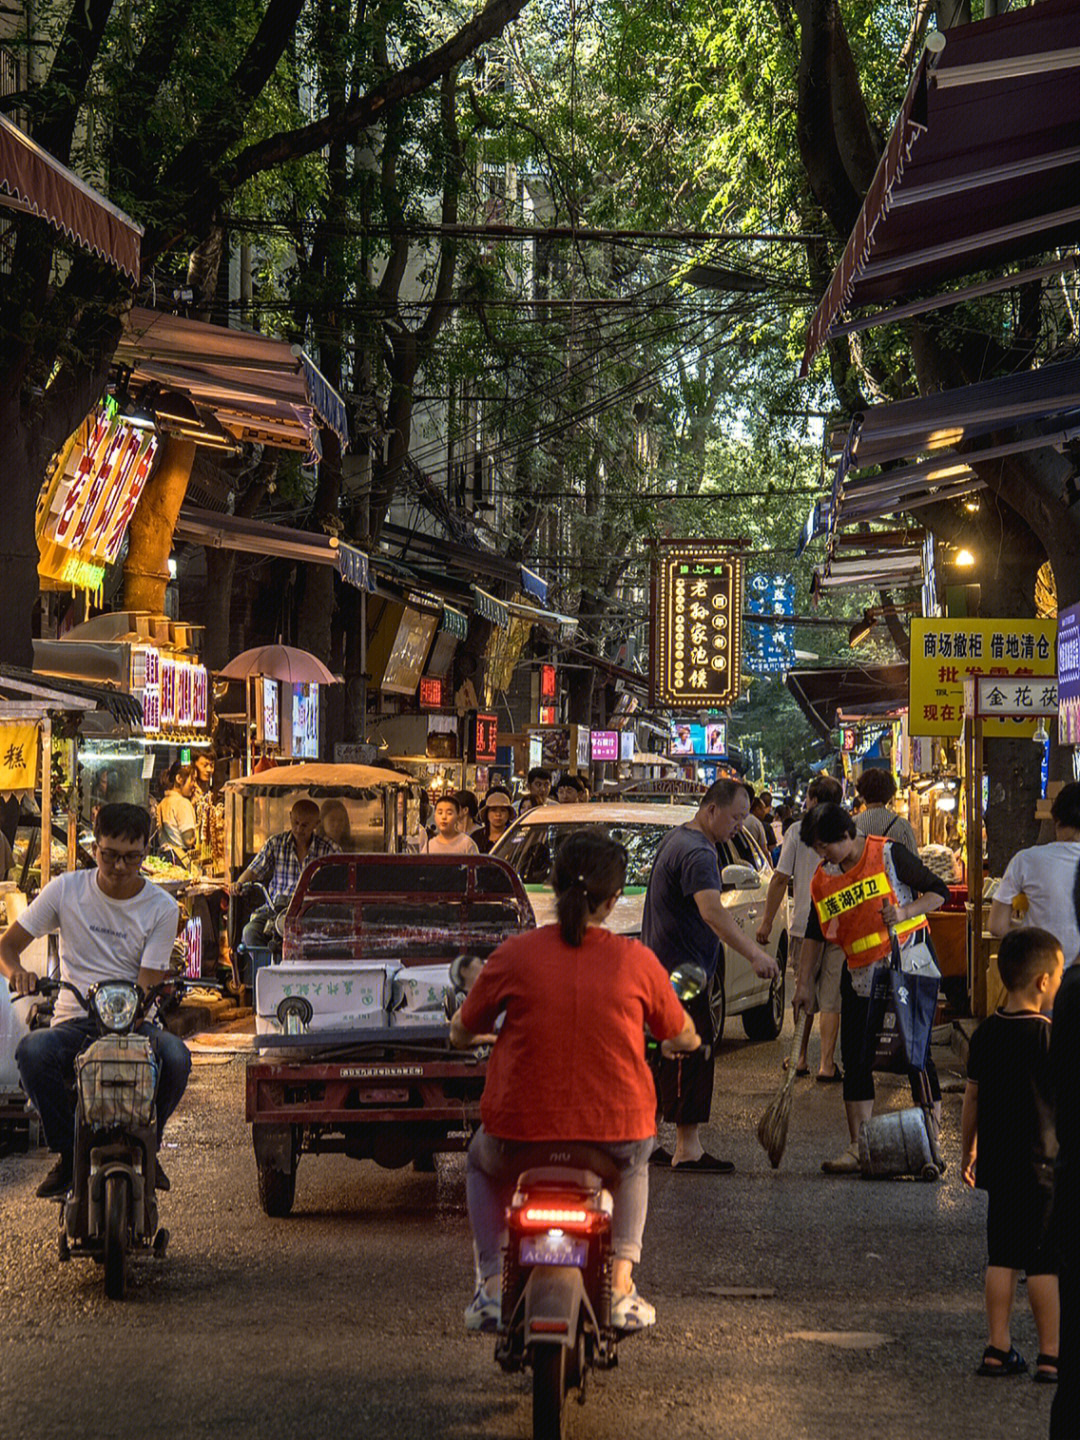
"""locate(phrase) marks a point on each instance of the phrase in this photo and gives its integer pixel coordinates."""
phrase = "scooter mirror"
(689, 981)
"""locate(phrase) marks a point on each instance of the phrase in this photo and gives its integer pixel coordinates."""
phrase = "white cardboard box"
(420, 988)
(342, 993)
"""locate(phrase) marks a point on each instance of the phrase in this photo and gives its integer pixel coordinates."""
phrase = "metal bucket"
(897, 1144)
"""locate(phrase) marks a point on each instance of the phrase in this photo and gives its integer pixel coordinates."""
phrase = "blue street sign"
(768, 649)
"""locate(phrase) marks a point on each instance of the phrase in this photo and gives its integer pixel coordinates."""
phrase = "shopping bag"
(900, 1018)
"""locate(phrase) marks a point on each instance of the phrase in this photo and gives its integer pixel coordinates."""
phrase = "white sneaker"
(483, 1311)
(631, 1312)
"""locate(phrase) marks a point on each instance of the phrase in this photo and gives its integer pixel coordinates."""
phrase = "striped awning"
(982, 167)
(32, 181)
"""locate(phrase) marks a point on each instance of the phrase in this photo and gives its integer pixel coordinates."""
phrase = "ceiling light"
(1041, 737)
(964, 558)
(972, 506)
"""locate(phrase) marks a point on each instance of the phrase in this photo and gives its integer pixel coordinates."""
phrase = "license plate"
(554, 1250)
(380, 1072)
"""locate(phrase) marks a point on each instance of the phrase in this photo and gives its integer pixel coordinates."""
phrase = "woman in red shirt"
(569, 1062)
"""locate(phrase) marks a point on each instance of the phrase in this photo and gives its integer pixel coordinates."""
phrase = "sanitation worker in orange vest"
(865, 886)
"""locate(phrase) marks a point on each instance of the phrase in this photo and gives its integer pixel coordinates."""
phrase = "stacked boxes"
(343, 994)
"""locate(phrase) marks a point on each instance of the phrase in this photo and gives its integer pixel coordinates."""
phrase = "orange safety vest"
(849, 907)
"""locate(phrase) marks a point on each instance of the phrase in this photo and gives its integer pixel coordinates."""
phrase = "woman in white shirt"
(176, 813)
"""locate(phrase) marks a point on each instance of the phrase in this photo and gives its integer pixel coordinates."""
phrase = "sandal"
(1046, 1370)
(836, 1078)
(1002, 1362)
(660, 1156)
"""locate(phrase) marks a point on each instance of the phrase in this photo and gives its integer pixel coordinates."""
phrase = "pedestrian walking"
(866, 888)
(1065, 1217)
(538, 789)
(448, 838)
(496, 813)
(684, 920)
(1009, 1145)
(1046, 876)
(796, 865)
(877, 788)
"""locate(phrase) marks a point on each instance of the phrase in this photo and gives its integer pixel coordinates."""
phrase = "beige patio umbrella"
(286, 663)
(279, 662)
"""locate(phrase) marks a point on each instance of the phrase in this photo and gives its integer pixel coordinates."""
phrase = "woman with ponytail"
(569, 1062)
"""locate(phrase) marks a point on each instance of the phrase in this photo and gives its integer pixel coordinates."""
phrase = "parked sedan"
(745, 874)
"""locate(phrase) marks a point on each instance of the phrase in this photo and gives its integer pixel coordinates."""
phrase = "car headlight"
(115, 1004)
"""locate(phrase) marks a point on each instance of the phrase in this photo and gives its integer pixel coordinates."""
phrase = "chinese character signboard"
(89, 497)
(605, 746)
(483, 736)
(548, 682)
(991, 696)
(431, 692)
(19, 746)
(769, 648)
(696, 649)
(945, 653)
(1068, 662)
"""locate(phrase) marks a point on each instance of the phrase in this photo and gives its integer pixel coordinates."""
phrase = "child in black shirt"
(1009, 1145)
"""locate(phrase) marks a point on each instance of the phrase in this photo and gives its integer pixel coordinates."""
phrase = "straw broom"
(773, 1126)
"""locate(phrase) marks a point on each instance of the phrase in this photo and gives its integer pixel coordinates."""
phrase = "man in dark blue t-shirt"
(684, 920)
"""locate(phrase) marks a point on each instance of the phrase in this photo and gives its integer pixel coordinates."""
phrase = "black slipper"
(1046, 1370)
(660, 1156)
(705, 1165)
(1009, 1362)
(836, 1078)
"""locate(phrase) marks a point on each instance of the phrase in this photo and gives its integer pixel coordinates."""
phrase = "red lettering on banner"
(91, 456)
(127, 463)
(131, 499)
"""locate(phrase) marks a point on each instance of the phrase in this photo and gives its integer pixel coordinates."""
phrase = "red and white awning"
(33, 182)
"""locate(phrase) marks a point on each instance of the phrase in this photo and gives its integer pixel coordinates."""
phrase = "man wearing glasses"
(114, 925)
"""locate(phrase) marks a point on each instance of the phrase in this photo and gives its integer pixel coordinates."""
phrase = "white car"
(530, 844)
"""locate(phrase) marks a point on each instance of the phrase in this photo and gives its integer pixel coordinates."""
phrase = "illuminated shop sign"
(697, 602)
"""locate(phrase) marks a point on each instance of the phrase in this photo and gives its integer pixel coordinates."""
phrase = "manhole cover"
(844, 1339)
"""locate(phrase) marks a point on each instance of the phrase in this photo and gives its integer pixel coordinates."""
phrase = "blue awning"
(354, 567)
(325, 400)
(533, 585)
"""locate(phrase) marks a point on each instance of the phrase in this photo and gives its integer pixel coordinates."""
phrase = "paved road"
(345, 1320)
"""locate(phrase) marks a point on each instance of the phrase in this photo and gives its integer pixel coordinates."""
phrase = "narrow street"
(791, 1305)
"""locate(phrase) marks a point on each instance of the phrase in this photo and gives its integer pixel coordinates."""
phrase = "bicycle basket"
(117, 1080)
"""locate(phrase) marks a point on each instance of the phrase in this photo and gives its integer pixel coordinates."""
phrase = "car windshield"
(530, 849)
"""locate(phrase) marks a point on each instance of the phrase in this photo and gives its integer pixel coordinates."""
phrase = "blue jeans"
(46, 1061)
(492, 1169)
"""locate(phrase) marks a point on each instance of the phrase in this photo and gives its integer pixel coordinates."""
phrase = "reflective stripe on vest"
(881, 937)
(848, 906)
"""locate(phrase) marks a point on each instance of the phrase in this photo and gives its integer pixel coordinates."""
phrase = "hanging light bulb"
(1041, 736)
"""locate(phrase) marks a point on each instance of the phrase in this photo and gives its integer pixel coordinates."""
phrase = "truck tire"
(277, 1189)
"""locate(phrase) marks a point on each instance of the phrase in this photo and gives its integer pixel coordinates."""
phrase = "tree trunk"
(18, 549)
(146, 570)
(220, 570)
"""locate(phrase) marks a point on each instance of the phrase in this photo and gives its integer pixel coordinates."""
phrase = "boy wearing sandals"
(1009, 1146)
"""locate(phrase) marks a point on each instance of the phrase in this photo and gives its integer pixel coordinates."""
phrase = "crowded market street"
(790, 1303)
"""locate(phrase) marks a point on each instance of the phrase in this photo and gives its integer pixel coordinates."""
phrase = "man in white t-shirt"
(1047, 876)
(114, 925)
(797, 863)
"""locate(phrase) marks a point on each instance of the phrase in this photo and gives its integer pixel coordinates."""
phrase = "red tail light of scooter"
(558, 1214)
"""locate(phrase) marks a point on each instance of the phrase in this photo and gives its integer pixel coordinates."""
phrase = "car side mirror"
(740, 877)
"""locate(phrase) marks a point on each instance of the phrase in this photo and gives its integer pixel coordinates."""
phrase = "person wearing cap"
(496, 815)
